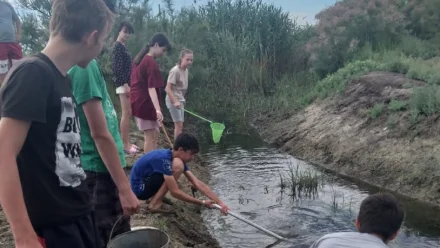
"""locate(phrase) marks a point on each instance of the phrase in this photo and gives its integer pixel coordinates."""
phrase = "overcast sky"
(305, 10)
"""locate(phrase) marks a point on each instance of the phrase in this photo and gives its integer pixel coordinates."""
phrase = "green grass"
(300, 183)
(397, 105)
(426, 101)
(377, 110)
(161, 224)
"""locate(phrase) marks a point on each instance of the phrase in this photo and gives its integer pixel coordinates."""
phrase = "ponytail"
(141, 54)
(159, 39)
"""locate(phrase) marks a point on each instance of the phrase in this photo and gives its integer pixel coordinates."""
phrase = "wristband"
(203, 202)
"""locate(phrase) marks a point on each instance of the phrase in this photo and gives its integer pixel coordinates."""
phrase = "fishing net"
(217, 131)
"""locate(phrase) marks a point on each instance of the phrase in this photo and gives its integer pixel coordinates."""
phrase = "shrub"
(349, 25)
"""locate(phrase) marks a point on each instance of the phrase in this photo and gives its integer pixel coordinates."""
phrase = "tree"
(423, 17)
(349, 25)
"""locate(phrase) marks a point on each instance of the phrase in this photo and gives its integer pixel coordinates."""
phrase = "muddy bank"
(186, 228)
(341, 134)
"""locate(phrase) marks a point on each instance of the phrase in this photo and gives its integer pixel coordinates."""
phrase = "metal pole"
(252, 224)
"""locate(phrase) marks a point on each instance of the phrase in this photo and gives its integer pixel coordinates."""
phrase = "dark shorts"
(152, 184)
(81, 233)
(106, 205)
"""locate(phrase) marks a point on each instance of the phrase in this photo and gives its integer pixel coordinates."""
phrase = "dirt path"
(186, 228)
(341, 135)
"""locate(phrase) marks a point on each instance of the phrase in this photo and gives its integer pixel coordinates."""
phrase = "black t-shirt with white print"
(49, 162)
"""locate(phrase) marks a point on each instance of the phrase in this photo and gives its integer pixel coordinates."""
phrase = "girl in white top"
(177, 85)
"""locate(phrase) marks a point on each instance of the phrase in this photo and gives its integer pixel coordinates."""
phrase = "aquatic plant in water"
(300, 183)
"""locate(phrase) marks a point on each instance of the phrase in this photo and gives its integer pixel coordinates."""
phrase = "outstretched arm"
(12, 136)
(202, 187)
(171, 184)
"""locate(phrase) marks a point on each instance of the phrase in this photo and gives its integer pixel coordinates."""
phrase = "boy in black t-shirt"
(41, 180)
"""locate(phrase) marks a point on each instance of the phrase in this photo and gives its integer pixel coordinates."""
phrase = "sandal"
(131, 151)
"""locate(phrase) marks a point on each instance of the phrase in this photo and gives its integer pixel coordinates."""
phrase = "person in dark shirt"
(145, 92)
(41, 181)
(121, 67)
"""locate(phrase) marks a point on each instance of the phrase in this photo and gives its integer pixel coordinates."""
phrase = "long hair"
(160, 39)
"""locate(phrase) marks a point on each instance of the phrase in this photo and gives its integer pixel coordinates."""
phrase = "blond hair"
(73, 19)
(184, 52)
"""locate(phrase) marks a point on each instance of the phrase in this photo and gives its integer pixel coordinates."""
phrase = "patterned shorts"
(106, 204)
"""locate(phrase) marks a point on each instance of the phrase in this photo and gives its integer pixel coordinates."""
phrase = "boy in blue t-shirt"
(156, 172)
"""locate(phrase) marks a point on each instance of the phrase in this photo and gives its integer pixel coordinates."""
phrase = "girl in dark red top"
(146, 81)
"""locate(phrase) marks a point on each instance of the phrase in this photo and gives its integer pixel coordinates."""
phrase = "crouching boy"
(156, 172)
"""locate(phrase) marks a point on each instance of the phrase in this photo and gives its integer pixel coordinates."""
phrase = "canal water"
(247, 173)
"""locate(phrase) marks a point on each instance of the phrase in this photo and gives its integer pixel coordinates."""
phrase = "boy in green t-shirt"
(102, 155)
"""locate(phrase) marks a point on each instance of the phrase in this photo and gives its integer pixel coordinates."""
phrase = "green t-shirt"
(89, 84)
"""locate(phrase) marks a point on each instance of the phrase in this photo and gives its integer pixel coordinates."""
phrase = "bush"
(336, 82)
(377, 110)
(397, 105)
(423, 16)
(348, 26)
(426, 100)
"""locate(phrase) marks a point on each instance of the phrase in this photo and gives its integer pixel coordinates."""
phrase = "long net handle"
(166, 134)
(196, 115)
(252, 224)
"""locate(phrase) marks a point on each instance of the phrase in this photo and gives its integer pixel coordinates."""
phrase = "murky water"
(246, 175)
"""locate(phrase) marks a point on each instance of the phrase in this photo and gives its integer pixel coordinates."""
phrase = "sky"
(304, 10)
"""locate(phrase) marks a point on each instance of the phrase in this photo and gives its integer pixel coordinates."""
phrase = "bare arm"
(199, 185)
(109, 153)
(18, 27)
(154, 98)
(169, 91)
(179, 194)
(12, 136)
(105, 142)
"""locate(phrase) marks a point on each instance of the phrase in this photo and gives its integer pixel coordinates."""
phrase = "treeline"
(251, 56)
